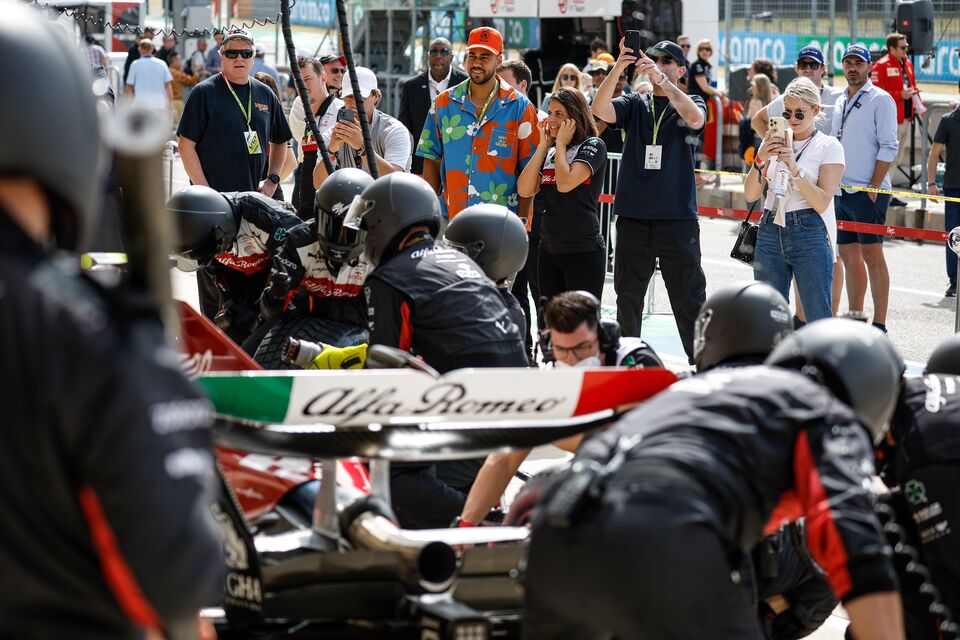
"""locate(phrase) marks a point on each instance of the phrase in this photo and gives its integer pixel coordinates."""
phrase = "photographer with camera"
(392, 144)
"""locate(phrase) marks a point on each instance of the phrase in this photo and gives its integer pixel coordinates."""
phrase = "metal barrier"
(171, 152)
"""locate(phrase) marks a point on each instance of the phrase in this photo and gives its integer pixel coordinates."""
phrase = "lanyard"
(249, 110)
(486, 105)
(657, 121)
(848, 110)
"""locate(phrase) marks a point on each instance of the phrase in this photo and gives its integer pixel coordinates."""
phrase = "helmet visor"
(332, 229)
(471, 249)
(358, 209)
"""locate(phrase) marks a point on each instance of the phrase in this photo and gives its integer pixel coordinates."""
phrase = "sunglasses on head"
(799, 114)
(568, 77)
(233, 54)
(442, 53)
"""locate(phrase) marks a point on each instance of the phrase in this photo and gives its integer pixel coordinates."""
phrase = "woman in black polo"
(567, 170)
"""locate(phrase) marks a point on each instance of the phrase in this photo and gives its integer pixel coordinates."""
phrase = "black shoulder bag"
(746, 244)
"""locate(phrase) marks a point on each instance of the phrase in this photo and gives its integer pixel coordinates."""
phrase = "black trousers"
(561, 272)
(528, 277)
(644, 566)
(677, 244)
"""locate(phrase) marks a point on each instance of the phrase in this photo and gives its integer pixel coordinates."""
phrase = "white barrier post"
(169, 153)
(953, 241)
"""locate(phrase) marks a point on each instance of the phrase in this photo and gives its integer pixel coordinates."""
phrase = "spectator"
(865, 122)
(214, 63)
(325, 107)
(391, 140)
(947, 138)
(810, 64)
(894, 74)
(656, 200)
(198, 59)
(764, 66)
(334, 68)
(701, 75)
(597, 71)
(797, 232)
(181, 80)
(598, 46)
(290, 164)
(150, 81)
(479, 135)
(419, 91)
(568, 76)
(169, 44)
(95, 54)
(227, 121)
(133, 53)
(759, 97)
(568, 168)
(260, 64)
(683, 41)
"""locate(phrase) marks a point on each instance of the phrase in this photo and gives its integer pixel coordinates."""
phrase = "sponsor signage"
(580, 8)
(782, 48)
(314, 13)
(503, 8)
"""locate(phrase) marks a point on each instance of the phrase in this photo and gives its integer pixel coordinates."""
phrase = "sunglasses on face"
(704, 49)
(568, 77)
(233, 54)
(684, 46)
(442, 53)
(336, 70)
(664, 60)
(808, 65)
(799, 114)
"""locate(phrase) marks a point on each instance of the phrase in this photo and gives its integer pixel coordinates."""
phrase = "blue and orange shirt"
(479, 161)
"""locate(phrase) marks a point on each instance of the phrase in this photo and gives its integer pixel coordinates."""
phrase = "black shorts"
(642, 564)
(858, 207)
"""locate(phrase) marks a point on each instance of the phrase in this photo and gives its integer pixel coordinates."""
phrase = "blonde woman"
(761, 94)
(798, 232)
(568, 76)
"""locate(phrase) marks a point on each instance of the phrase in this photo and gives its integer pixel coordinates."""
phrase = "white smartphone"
(779, 126)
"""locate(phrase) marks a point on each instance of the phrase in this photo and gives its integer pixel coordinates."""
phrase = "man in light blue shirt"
(865, 121)
(149, 82)
(260, 64)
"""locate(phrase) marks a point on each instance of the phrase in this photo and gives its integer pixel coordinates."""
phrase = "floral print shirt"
(479, 161)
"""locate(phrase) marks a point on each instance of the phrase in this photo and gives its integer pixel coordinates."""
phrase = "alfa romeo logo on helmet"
(915, 491)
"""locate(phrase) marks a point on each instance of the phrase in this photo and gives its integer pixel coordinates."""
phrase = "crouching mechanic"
(232, 236)
(435, 302)
(576, 336)
(106, 473)
(495, 238)
(920, 460)
(320, 268)
(687, 481)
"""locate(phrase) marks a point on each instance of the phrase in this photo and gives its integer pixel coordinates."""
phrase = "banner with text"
(782, 49)
(314, 13)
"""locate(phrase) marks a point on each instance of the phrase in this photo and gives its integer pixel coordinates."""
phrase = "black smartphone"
(631, 40)
(345, 114)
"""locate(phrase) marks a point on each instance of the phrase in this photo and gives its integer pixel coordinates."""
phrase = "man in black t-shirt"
(656, 199)
(947, 138)
(229, 122)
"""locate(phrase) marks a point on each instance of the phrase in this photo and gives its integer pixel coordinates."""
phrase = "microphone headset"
(608, 331)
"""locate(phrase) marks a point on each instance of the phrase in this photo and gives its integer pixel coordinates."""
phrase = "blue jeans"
(799, 250)
(951, 219)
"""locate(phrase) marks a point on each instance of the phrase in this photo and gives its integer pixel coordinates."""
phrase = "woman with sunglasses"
(798, 232)
(567, 170)
(568, 76)
(701, 74)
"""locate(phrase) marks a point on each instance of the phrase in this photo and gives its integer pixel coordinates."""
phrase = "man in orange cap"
(480, 134)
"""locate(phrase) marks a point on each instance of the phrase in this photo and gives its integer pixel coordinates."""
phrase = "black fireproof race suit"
(106, 473)
(437, 303)
(232, 283)
(317, 287)
(924, 464)
(705, 463)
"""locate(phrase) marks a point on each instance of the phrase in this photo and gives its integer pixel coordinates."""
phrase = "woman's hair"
(802, 88)
(576, 106)
(268, 80)
(567, 68)
(763, 88)
(764, 66)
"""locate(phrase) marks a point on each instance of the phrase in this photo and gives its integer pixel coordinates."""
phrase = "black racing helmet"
(340, 244)
(205, 223)
(945, 358)
(493, 236)
(388, 208)
(856, 361)
(743, 321)
(49, 127)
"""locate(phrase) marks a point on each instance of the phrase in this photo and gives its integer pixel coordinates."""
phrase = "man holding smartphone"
(392, 144)
(656, 198)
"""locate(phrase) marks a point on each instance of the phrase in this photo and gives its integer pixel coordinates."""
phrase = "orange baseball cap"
(486, 38)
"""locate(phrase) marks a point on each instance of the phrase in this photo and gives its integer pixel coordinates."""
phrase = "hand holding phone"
(778, 125)
(631, 40)
(345, 113)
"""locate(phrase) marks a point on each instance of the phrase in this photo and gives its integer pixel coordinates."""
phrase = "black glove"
(278, 286)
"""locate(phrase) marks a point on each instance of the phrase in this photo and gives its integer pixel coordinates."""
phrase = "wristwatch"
(274, 178)
(802, 174)
(362, 152)
(663, 78)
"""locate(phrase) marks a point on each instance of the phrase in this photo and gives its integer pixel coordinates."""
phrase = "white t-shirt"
(819, 150)
(149, 77)
(299, 128)
(828, 99)
(390, 138)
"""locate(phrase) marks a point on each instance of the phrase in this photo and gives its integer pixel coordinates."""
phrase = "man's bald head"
(439, 57)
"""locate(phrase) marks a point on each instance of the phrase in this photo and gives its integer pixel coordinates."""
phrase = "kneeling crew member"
(234, 237)
(575, 335)
(687, 480)
(435, 302)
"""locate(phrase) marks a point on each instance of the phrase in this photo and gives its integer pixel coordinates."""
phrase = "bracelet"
(663, 78)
